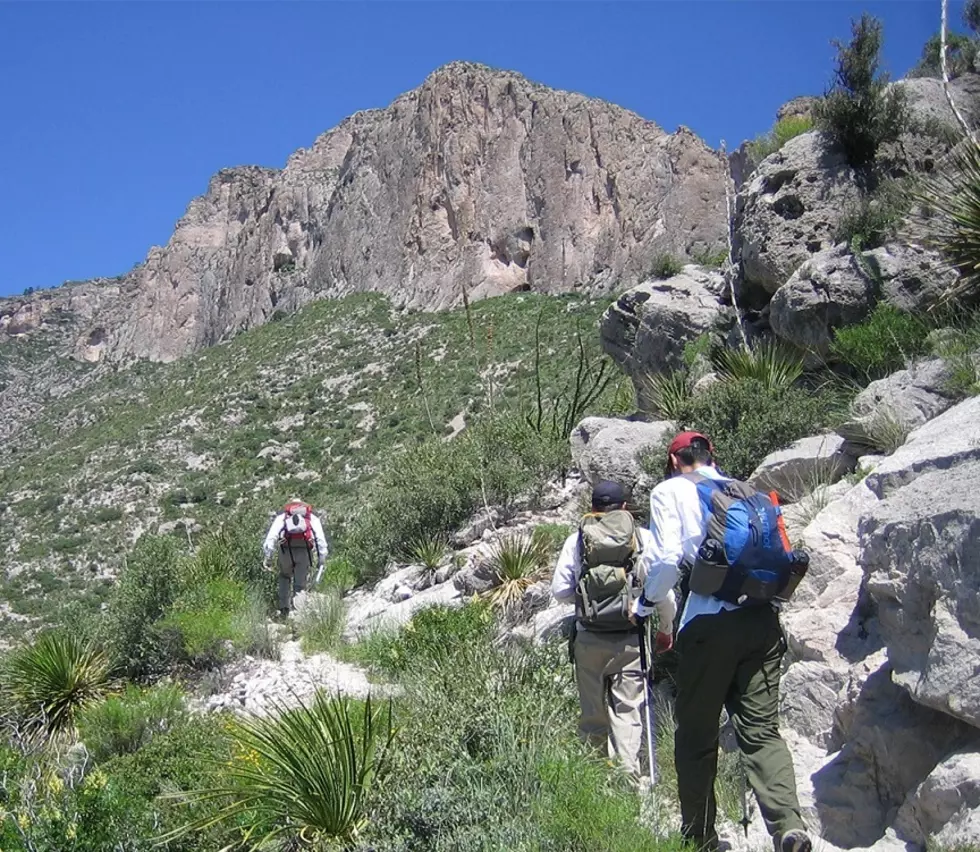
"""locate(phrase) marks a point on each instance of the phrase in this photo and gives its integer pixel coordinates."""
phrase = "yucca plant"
(427, 551)
(773, 364)
(517, 560)
(665, 394)
(49, 681)
(300, 776)
(949, 211)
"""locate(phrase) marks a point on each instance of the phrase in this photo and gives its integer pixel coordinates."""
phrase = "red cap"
(685, 439)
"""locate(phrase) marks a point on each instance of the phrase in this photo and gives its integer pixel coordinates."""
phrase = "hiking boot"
(795, 840)
(284, 613)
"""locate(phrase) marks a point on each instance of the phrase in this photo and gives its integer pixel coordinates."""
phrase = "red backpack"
(298, 525)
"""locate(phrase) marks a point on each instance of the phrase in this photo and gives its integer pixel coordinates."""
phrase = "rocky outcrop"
(607, 448)
(888, 409)
(478, 178)
(645, 330)
(790, 209)
(803, 466)
(881, 692)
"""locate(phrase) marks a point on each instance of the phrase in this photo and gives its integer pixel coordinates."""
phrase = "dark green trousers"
(732, 659)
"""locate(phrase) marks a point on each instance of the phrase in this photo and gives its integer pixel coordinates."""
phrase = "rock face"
(895, 405)
(881, 692)
(606, 448)
(790, 209)
(803, 466)
(478, 178)
(646, 328)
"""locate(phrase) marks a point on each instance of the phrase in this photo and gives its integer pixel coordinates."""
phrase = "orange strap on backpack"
(774, 499)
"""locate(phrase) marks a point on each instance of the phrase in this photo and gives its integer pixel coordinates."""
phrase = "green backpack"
(608, 585)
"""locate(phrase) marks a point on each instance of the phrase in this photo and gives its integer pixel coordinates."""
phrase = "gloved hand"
(663, 642)
(642, 609)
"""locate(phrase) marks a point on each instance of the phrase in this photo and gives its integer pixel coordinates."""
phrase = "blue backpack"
(746, 557)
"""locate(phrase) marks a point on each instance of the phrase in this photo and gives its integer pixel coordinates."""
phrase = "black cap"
(606, 494)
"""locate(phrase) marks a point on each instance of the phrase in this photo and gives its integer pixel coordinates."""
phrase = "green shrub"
(204, 616)
(772, 363)
(664, 395)
(782, 131)
(665, 266)
(961, 52)
(873, 220)
(123, 724)
(300, 775)
(860, 112)
(882, 344)
(517, 561)
(251, 630)
(49, 681)
(746, 420)
(427, 551)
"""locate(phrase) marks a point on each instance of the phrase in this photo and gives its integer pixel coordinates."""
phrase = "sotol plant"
(517, 560)
(772, 364)
(49, 681)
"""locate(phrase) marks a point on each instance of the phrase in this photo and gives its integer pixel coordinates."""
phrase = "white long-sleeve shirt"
(678, 524)
(658, 581)
(271, 543)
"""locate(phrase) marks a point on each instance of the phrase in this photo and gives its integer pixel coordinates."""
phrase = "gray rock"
(892, 407)
(912, 277)
(944, 811)
(790, 209)
(808, 697)
(799, 107)
(646, 328)
(828, 291)
(804, 466)
(921, 555)
(479, 576)
(478, 177)
(607, 448)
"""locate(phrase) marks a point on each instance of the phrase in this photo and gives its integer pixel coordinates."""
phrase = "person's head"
(607, 496)
(688, 451)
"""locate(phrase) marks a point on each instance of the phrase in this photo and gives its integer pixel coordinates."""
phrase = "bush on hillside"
(961, 52)
(747, 420)
(885, 342)
(782, 131)
(861, 112)
(873, 220)
(665, 266)
(436, 486)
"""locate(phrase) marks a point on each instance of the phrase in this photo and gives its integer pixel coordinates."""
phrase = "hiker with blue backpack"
(730, 545)
(297, 535)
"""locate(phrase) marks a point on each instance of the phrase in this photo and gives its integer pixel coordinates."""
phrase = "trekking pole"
(644, 632)
(744, 822)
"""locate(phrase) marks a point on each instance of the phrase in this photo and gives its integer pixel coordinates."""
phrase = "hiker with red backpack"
(602, 567)
(730, 543)
(297, 534)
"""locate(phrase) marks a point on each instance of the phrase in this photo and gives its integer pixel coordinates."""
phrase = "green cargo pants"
(732, 659)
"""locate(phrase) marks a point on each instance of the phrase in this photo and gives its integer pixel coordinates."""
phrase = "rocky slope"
(478, 178)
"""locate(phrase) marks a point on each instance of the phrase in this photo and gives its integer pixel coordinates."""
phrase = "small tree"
(861, 112)
(971, 15)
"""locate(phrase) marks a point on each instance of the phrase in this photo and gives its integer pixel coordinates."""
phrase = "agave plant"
(773, 364)
(427, 551)
(517, 561)
(665, 394)
(299, 776)
(949, 211)
(49, 681)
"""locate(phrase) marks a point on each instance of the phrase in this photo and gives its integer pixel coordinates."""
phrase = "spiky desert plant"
(773, 364)
(427, 551)
(665, 394)
(949, 210)
(517, 560)
(49, 681)
(300, 775)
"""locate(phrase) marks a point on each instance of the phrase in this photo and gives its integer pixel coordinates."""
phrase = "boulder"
(888, 409)
(373, 609)
(804, 466)
(607, 448)
(790, 209)
(645, 329)
(944, 810)
(912, 277)
(921, 556)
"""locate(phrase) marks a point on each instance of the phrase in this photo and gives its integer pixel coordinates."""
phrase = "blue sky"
(114, 115)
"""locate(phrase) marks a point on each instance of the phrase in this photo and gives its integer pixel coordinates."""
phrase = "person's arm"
(320, 537)
(272, 537)
(567, 569)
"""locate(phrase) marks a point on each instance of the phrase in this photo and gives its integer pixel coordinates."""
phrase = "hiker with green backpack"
(730, 544)
(603, 567)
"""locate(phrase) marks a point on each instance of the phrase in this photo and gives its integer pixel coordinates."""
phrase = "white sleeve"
(567, 569)
(272, 537)
(321, 539)
(664, 548)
